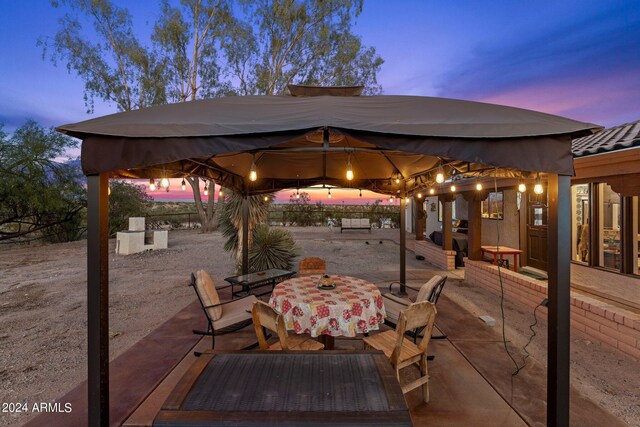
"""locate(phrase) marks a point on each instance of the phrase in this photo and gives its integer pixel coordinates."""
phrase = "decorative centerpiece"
(326, 282)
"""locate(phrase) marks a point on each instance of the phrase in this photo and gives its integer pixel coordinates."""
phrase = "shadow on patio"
(471, 382)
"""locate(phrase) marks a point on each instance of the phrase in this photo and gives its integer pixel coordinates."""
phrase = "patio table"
(269, 388)
(251, 281)
(502, 250)
(355, 306)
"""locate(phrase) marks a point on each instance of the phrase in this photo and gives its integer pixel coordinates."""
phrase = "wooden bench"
(355, 224)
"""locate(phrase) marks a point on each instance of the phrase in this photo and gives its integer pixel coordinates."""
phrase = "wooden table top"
(269, 388)
(501, 250)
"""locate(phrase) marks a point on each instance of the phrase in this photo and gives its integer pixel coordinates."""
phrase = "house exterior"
(605, 230)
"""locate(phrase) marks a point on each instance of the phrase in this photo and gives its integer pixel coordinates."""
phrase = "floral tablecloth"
(353, 307)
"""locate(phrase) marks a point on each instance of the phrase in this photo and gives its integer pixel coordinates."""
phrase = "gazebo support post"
(245, 235)
(98, 298)
(403, 245)
(447, 221)
(559, 245)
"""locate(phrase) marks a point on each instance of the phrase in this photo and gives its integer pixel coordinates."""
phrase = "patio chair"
(222, 317)
(401, 351)
(312, 265)
(266, 317)
(394, 304)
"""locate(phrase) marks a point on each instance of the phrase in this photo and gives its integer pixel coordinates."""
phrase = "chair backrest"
(417, 315)
(207, 294)
(346, 222)
(265, 316)
(364, 222)
(312, 265)
(425, 290)
(435, 292)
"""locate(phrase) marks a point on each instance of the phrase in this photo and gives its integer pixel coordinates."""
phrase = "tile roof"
(610, 139)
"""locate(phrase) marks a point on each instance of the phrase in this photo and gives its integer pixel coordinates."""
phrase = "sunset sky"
(575, 58)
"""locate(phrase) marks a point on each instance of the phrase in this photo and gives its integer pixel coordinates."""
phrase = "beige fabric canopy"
(303, 141)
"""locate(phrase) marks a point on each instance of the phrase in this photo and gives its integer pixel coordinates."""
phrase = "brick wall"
(434, 254)
(591, 318)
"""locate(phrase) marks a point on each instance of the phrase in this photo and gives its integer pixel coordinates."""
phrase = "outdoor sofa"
(355, 224)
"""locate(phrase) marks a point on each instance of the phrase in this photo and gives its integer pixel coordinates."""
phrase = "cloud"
(588, 68)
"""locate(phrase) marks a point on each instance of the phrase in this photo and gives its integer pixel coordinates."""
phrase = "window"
(580, 223)
(635, 223)
(609, 228)
(440, 210)
(492, 206)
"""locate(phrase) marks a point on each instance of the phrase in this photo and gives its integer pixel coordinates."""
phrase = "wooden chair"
(312, 265)
(266, 317)
(401, 351)
(394, 304)
(222, 317)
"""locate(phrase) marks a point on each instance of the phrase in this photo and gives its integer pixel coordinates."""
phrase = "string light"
(184, 185)
(406, 199)
(440, 175)
(360, 192)
(253, 174)
(538, 189)
(391, 199)
(521, 186)
(266, 198)
(152, 185)
(220, 193)
(453, 188)
(206, 189)
(349, 169)
(432, 191)
(164, 183)
(479, 186)
(297, 193)
(419, 195)
(329, 194)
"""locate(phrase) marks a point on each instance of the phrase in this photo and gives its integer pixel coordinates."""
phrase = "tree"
(37, 193)
(201, 49)
(125, 200)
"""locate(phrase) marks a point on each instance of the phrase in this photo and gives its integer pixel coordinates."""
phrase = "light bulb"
(419, 195)
(184, 185)
(152, 185)
(297, 194)
(397, 180)
(432, 191)
(329, 194)
(206, 191)
(440, 178)
(406, 199)
(253, 175)
(164, 183)
(220, 193)
(266, 198)
(360, 193)
(349, 171)
(479, 186)
(453, 188)
(538, 188)
(391, 199)
(109, 191)
(522, 187)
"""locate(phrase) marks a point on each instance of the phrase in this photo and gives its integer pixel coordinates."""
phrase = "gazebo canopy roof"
(303, 141)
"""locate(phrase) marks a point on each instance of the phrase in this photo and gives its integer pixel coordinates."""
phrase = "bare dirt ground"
(43, 310)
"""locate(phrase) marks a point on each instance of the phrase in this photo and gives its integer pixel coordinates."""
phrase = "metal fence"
(313, 215)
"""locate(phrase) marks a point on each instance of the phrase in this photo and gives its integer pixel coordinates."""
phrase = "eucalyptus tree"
(209, 48)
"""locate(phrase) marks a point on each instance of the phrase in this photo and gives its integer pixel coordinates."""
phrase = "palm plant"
(272, 248)
(230, 220)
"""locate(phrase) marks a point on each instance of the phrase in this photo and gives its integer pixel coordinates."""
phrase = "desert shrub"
(272, 248)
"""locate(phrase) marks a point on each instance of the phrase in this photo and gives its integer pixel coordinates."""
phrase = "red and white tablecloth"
(353, 307)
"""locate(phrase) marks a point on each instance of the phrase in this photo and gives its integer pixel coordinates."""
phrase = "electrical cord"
(533, 333)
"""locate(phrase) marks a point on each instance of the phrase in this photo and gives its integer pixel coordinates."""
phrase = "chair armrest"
(400, 284)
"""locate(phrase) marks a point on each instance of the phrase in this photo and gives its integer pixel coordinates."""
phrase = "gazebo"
(395, 145)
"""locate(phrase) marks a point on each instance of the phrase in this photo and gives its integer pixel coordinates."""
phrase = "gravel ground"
(43, 309)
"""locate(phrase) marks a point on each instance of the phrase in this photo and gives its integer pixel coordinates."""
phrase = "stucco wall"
(508, 228)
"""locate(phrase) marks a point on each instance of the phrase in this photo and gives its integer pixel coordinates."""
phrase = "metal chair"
(222, 317)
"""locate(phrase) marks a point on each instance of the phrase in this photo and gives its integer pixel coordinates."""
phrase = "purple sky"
(576, 58)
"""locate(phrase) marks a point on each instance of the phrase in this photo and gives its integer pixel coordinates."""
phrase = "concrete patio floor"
(471, 382)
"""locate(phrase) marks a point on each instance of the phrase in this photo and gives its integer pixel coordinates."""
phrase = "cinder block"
(129, 242)
(136, 224)
(160, 239)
